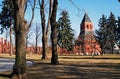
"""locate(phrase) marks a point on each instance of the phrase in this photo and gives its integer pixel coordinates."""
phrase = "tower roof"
(86, 18)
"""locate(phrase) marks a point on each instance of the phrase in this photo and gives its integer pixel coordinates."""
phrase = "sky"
(94, 9)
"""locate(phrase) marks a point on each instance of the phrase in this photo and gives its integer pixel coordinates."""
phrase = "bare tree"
(37, 37)
(11, 44)
(54, 59)
(34, 37)
(8, 37)
(6, 40)
(21, 27)
(45, 29)
(29, 36)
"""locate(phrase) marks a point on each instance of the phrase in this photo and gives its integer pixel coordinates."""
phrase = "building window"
(87, 27)
(91, 27)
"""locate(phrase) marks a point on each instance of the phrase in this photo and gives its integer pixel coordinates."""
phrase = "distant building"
(4, 46)
(86, 43)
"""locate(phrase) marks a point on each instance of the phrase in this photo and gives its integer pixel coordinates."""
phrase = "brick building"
(4, 46)
(86, 43)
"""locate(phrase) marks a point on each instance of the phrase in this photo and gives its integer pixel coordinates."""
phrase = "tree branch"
(33, 9)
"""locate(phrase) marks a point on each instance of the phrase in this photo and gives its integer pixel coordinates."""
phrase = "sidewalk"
(7, 64)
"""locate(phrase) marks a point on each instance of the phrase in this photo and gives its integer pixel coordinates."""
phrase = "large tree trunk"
(54, 59)
(19, 69)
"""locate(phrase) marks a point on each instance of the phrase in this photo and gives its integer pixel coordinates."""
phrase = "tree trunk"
(36, 45)
(11, 52)
(112, 47)
(26, 41)
(48, 26)
(44, 47)
(54, 59)
(45, 31)
(19, 68)
(42, 13)
(36, 38)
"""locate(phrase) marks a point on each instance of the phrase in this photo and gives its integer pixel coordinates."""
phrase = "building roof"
(86, 18)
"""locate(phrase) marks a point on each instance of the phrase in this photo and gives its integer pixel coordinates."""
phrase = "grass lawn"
(72, 67)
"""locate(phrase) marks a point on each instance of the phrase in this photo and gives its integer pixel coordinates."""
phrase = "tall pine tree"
(6, 15)
(65, 32)
(107, 34)
(101, 33)
(118, 31)
(112, 31)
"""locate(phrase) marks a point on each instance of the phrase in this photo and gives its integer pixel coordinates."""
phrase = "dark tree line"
(108, 33)
(118, 31)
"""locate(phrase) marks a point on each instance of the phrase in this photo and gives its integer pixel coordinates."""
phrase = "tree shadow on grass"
(74, 71)
(4, 75)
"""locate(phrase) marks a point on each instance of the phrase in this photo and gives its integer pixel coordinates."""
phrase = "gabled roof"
(86, 18)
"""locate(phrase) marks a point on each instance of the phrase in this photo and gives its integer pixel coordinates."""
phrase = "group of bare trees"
(21, 27)
(33, 38)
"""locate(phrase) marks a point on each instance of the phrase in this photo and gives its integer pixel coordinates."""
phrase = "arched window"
(88, 49)
(87, 26)
(91, 27)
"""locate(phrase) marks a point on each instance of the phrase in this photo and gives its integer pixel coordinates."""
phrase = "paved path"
(7, 64)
